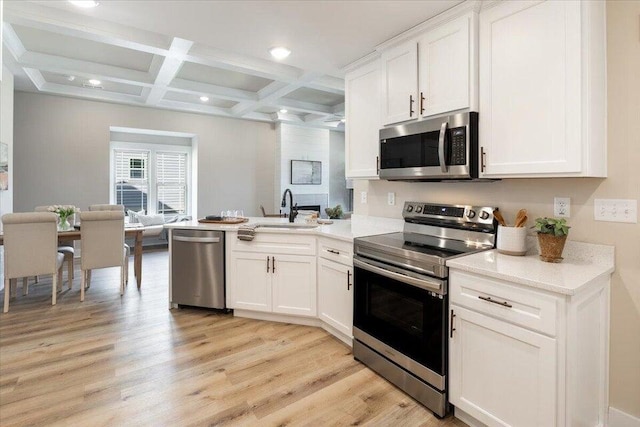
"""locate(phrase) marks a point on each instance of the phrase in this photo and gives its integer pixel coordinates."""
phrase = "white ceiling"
(167, 54)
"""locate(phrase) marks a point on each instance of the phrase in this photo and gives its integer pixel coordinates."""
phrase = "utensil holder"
(512, 240)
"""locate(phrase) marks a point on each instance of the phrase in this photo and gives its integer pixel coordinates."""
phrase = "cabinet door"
(294, 285)
(444, 70)
(400, 83)
(362, 109)
(335, 295)
(530, 88)
(501, 374)
(250, 281)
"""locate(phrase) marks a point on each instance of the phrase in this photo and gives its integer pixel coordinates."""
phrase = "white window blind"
(132, 178)
(171, 182)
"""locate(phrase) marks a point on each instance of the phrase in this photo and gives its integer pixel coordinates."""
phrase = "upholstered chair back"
(30, 244)
(102, 236)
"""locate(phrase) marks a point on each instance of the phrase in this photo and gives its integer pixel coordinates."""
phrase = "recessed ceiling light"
(283, 110)
(94, 82)
(343, 120)
(279, 52)
(71, 78)
(204, 98)
(84, 3)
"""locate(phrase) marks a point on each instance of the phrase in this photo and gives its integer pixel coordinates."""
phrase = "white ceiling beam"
(305, 107)
(95, 94)
(187, 106)
(213, 91)
(217, 58)
(338, 109)
(12, 41)
(80, 68)
(84, 27)
(312, 118)
(169, 69)
(297, 120)
(36, 77)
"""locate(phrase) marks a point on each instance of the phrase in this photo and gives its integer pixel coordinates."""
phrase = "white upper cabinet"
(400, 83)
(362, 110)
(444, 64)
(542, 89)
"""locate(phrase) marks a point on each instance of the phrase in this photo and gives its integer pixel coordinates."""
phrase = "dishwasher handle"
(196, 239)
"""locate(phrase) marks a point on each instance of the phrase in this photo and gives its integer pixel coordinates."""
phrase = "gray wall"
(61, 153)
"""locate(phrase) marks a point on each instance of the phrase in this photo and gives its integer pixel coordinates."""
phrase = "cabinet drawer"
(271, 243)
(336, 250)
(504, 300)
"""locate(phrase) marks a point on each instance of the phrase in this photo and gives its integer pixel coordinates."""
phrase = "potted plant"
(334, 213)
(552, 235)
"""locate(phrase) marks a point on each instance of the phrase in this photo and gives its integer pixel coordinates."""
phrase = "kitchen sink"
(289, 226)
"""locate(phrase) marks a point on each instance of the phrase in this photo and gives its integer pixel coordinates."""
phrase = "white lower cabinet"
(520, 356)
(271, 281)
(335, 295)
(501, 374)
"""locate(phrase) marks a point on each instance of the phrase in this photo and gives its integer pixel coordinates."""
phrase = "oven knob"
(410, 208)
(484, 215)
(418, 209)
(471, 214)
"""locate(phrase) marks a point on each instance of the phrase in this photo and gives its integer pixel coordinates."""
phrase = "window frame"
(153, 150)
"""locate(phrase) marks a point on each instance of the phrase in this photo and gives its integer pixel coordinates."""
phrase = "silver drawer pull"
(502, 303)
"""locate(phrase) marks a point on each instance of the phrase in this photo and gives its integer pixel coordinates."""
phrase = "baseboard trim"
(618, 418)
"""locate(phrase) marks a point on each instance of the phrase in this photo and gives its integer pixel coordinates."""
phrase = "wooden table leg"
(137, 258)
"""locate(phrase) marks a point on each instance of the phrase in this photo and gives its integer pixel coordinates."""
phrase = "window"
(151, 177)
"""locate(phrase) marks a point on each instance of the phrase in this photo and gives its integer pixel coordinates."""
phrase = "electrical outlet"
(363, 197)
(391, 198)
(616, 210)
(562, 207)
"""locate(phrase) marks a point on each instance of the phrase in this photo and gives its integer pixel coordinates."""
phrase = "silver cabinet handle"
(197, 239)
(502, 303)
(441, 153)
(420, 283)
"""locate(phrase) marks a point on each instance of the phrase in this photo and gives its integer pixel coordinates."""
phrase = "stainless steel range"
(400, 295)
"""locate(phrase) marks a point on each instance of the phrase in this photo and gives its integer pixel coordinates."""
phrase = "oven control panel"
(450, 213)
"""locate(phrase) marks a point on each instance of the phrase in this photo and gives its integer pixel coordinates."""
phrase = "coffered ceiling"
(169, 54)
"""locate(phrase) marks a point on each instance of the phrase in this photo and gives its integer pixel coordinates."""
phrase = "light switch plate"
(616, 210)
(391, 198)
(363, 197)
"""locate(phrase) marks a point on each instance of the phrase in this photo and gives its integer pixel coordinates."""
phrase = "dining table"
(130, 230)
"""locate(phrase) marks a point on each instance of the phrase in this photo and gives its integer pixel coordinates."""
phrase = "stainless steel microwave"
(431, 150)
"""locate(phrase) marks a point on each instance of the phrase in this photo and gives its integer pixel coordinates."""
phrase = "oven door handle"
(441, 148)
(420, 283)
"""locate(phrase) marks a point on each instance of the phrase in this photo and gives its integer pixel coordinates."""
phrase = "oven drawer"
(515, 304)
(336, 250)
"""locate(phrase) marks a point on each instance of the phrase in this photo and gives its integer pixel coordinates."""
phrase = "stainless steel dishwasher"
(197, 268)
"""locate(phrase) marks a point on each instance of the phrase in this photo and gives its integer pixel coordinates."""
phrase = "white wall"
(62, 153)
(6, 136)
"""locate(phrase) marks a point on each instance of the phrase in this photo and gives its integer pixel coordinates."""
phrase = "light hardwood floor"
(116, 361)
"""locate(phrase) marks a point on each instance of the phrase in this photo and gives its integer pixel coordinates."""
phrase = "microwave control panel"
(458, 146)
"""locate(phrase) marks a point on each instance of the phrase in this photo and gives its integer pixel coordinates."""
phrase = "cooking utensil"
(521, 218)
(498, 216)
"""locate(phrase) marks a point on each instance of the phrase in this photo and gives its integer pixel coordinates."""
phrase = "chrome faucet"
(292, 211)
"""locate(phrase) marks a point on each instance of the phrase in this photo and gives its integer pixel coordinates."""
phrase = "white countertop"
(341, 229)
(582, 264)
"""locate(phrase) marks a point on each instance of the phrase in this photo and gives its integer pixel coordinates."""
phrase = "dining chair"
(30, 249)
(102, 240)
(66, 248)
(112, 208)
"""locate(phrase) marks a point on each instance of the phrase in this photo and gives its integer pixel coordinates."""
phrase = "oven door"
(405, 312)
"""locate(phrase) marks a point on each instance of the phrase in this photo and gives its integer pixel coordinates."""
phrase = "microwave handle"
(441, 147)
